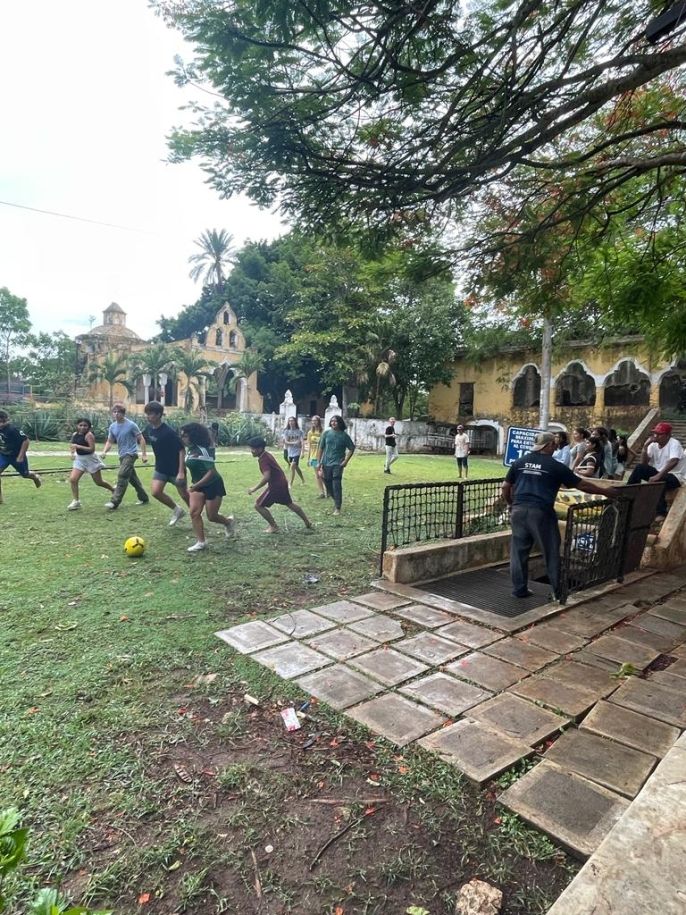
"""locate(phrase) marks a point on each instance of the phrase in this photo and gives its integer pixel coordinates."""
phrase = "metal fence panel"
(595, 544)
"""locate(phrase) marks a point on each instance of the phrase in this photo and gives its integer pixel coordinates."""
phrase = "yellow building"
(613, 384)
(221, 347)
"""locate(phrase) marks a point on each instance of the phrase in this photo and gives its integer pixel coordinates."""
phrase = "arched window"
(219, 337)
(627, 386)
(227, 318)
(673, 387)
(233, 339)
(575, 387)
(527, 388)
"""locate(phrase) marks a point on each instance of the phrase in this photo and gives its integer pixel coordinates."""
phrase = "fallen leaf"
(183, 773)
(144, 899)
(124, 619)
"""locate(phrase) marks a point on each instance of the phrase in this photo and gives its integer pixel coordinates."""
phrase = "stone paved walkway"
(484, 697)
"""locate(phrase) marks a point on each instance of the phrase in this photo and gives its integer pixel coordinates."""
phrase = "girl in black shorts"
(207, 487)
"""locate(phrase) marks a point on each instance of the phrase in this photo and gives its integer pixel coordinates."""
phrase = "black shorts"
(294, 460)
(213, 490)
(462, 462)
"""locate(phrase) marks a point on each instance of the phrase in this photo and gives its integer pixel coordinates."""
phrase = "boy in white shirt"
(662, 460)
(462, 452)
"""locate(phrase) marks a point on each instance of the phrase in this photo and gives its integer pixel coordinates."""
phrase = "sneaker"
(142, 501)
(197, 547)
(336, 511)
(387, 471)
(177, 515)
(37, 482)
(110, 505)
(74, 505)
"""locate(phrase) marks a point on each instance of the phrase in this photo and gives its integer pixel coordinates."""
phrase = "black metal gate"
(595, 544)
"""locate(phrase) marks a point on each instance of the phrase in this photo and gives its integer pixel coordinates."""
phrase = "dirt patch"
(253, 819)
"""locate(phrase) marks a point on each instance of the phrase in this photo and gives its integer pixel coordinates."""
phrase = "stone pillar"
(332, 410)
(288, 408)
(599, 407)
(163, 378)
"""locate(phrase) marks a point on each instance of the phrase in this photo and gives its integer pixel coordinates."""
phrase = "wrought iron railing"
(595, 544)
(422, 512)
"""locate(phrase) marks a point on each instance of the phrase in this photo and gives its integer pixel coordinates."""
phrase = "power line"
(95, 222)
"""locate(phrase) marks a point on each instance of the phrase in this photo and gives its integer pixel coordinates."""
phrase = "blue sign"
(519, 441)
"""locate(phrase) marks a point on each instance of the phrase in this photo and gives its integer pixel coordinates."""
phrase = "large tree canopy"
(389, 113)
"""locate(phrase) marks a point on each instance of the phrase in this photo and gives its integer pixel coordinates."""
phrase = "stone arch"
(627, 386)
(526, 389)
(574, 387)
(673, 387)
(226, 318)
(219, 337)
(233, 339)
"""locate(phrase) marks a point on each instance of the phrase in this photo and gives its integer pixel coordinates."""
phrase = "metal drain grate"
(488, 589)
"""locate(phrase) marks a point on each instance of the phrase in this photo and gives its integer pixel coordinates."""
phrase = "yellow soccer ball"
(134, 546)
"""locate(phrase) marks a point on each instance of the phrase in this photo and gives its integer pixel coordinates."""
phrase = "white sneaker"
(74, 505)
(110, 505)
(142, 501)
(177, 515)
(197, 547)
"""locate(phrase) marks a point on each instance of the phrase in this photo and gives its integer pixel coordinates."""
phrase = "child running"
(277, 491)
(170, 466)
(13, 447)
(207, 489)
(82, 447)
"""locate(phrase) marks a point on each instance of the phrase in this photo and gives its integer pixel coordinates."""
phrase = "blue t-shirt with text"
(536, 479)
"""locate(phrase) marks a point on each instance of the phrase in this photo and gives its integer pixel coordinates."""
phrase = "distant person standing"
(126, 435)
(170, 465)
(335, 450)
(313, 436)
(13, 447)
(293, 439)
(391, 445)
(462, 452)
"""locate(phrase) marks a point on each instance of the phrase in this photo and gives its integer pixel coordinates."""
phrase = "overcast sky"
(85, 107)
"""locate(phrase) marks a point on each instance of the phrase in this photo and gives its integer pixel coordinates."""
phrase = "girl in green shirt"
(207, 487)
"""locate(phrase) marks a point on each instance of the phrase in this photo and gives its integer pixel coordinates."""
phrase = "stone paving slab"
(554, 694)
(584, 623)
(515, 651)
(678, 601)
(661, 627)
(339, 686)
(475, 749)
(429, 617)
(396, 718)
(675, 614)
(582, 676)
(341, 644)
(653, 700)
(301, 623)
(381, 600)
(668, 679)
(515, 717)
(678, 668)
(630, 728)
(380, 628)
(388, 666)
(593, 660)
(639, 867)
(623, 651)
(429, 647)
(291, 660)
(633, 633)
(249, 637)
(343, 611)
(445, 693)
(469, 634)
(552, 637)
(576, 812)
(612, 765)
(486, 671)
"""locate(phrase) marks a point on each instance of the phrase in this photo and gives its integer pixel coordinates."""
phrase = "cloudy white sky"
(85, 107)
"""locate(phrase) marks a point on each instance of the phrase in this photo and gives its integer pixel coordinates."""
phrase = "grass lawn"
(147, 782)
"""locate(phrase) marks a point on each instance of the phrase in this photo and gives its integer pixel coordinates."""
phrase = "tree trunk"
(546, 360)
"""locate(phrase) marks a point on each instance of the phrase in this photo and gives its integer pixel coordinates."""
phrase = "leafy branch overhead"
(389, 115)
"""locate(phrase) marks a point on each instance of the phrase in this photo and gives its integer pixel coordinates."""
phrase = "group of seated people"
(596, 453)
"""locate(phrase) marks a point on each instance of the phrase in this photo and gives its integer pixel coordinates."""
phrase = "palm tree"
(250, 362)
(192, 366)
(216, 254)
(113, 370)
(153, 361)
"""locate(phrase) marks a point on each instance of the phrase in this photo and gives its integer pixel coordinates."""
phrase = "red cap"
(663, 429)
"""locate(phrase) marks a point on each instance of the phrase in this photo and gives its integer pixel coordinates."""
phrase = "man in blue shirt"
(531, 487)
(127, 436)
